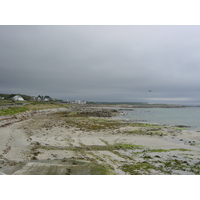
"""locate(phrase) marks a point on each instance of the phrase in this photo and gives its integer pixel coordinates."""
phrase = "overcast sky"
(102, 63)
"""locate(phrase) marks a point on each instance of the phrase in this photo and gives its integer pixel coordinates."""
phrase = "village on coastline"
(45, 98)
(6, 99)
(39, 98)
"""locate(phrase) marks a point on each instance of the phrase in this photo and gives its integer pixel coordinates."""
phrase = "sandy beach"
(84, 141)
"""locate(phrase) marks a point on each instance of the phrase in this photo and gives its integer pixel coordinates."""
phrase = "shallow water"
(188, 116)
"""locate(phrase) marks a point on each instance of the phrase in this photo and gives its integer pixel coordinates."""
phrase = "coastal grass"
(33, 106)
(124, 146)
(82, 147)
(6, 102)
(146, 125)
(88, 124)
(170, 166)
(145, 132)
(160, 150)
(174, 164)
(179, 128)
(13, 110)
(138, 168)
(165, 150)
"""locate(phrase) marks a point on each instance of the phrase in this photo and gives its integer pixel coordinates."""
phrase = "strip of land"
(79, 140)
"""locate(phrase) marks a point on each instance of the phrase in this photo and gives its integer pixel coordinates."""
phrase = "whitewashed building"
(18, 98)
(46, 99)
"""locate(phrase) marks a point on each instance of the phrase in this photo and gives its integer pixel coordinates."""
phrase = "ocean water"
(188, 116)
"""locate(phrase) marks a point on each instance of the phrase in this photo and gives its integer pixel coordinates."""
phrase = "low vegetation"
(32, 106)
(163, 150)
(170, 166)
(145, 125)
(139, 168)
(13, 110)
(116, 146)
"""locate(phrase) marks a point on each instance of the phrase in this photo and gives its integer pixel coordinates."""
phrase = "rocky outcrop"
(96, 112)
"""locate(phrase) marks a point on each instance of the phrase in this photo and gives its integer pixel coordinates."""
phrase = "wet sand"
(82, 140)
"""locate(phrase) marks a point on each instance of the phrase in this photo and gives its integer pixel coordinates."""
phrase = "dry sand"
(75, 141)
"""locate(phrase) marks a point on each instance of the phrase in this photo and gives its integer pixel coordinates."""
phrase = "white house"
(18, 98)
(46, 99)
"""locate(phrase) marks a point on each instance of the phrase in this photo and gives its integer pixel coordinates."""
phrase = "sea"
(185, 116)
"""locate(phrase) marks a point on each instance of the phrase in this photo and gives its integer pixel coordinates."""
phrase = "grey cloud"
(105, 63)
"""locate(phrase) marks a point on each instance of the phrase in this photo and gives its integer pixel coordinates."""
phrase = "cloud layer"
(102, 63)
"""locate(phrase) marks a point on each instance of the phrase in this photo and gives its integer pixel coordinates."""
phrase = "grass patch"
(146, 132)
(158, 150)
(7, 102)
(72, 114)
(137, 132)
(181, 165)
(117, 146)
(33, 106)
(178, 128)
(166, 167)
(145, 125)
(162, 150)
(13, 110)
(138, 168)
(124, 146)
(180, 150)
(97, 169)
(86, 124)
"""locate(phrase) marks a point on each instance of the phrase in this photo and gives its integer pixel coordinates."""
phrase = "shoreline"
(190, 125)
(88, 140)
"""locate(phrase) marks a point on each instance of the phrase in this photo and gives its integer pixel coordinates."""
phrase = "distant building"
(33, 98)
(42, 98)
(46, 99)
(18, 98)
(1, 97)
(83, 102)
(38, 99)
(78, 102)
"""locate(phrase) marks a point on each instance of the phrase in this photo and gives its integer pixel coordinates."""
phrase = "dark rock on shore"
(94, 112)
(182, 126)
